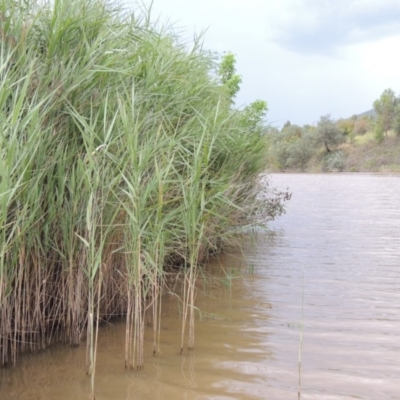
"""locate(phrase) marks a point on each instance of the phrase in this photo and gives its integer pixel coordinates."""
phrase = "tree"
(396, 120)
(227, 73)
(346, 125)
(286, 125)
(255, 114)
(299, 152)
(290, 148)
(252, 116)
(327, 133)
(385, 108)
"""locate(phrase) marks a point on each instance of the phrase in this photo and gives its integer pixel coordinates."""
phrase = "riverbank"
(362, 153)
(373, 156)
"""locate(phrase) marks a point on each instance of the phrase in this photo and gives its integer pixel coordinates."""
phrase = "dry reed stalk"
(128, 335)
(92, 381)
(191, 319)
(156, 315)
(185, 306)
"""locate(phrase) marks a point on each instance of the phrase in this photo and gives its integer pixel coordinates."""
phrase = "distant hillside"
(369, 113)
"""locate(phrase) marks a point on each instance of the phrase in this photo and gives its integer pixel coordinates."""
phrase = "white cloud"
(306, 58)
(321, 27)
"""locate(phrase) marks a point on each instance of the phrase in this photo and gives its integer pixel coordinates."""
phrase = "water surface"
(341, 237)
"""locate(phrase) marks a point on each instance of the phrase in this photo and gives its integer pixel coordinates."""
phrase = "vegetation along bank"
(369, 142)
(122, 157)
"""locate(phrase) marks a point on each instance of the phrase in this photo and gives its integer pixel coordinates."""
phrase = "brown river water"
(326, 285)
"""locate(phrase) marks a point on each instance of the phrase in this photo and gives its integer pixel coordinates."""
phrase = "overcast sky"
(306, 58)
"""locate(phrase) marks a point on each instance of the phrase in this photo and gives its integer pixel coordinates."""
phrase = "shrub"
(334, 162)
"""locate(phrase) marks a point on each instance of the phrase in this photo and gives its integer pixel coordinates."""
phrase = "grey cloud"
(323, 30)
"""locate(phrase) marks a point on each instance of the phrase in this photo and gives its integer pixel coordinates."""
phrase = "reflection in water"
(342, 232)
(229, 361)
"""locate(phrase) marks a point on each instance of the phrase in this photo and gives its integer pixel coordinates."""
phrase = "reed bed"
(121, 158)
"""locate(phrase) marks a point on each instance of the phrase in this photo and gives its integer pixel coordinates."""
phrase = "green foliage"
(396, 120)
(286, 125)
(255, 114)
(318, 148)
(227, 73)
(120, 155)
(346, 125)
(334, 162)
(327, 133)
(379, 134)
(292, 148)
(385, 108)
(300, 152)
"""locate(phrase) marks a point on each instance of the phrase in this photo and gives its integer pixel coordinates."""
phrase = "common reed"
(121, 157)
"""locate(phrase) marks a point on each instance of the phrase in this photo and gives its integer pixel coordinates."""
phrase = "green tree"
(346, 125)
(396, 120)
(299, 152)
(379, 134)
(284, 152)
(327, 133)
(228, 76)
(385, 108)
(255, 114)
(286, 125)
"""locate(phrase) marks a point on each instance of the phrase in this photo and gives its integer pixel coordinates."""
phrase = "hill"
(369, 113)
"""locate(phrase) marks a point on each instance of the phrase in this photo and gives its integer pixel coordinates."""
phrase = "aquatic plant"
(120, 158)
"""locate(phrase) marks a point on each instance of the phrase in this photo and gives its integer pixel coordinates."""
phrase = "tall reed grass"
(120, 157)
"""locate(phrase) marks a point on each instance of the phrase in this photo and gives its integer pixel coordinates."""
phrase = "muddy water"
(341, 237)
